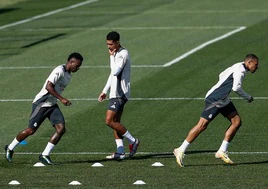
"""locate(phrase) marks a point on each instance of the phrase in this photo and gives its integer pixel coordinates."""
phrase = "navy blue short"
(210, 111)
(39, 114)
(117, 104)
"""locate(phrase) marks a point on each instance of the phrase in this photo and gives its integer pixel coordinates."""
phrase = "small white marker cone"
(157, 164)
(14, 182)
(39, 164)
(74, 183)
(97, 165)
(139, 182)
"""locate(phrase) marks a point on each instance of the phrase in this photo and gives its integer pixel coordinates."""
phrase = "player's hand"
(66, 102)
(251, 99)
(102, 97)
(111, 52)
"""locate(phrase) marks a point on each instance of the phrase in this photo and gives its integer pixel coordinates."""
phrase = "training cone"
(39, 164)
(14, 182)
(139, 182)
(74, 183)
(97, 165)
(157, 164)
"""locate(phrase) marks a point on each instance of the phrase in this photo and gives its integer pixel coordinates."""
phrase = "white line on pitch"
(47, 14)
(132, 28)
(202, 46)
(166, 28)
(83, 67)
(176, 60)
(203, 11)
(91, 1)
(133, 99)
(142, 153)
(187, 98)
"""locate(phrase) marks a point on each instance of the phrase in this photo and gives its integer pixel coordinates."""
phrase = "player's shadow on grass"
(168, 155)
(134, 158)
(84, 161)
(171, 155)
(138, 157)
(5, 10)
(254, 162)
(221, 163)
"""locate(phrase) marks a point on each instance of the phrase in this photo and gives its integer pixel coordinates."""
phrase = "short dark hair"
(251, 56)
(76, 56)
(113, 35)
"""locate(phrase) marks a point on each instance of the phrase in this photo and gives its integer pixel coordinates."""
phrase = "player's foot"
(116, 156)
(133, 147)
(45, 160)
(179, 156)
(224, 156)
(8, 154)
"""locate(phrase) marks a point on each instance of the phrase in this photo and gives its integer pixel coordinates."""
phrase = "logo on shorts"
(210, 116)
(35, 124)
(113, 106)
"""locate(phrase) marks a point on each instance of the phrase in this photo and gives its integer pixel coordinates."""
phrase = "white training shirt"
(230, 79)
(60, 78)
(119, 80)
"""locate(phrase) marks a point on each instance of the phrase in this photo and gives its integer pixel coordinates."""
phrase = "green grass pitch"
(165, 101)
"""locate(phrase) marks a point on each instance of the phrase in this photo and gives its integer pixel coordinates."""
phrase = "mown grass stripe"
(46, 14)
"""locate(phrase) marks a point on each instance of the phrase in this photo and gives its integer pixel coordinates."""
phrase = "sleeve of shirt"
(117, 64)
(108, 85)
(55, 75)
(237, 85)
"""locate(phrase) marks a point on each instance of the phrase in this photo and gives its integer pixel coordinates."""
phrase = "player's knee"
(63, 131)
(30, 131)
(237, 123)
(108, 121)
(240, 123)
(60, 129)
(202, 125)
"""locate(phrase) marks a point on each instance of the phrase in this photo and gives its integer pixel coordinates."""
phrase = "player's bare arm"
(50, 87)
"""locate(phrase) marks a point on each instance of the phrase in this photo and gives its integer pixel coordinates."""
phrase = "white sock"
(129, 137)
(120, 146)
(13, 144)
(184, 146)
(48, 149)
(224, 146)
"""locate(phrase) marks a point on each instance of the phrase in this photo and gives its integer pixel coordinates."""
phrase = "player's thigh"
(210, 112)
(229, 111)
(56, 117)
(115, 109)
(38, 115)
(117, 104)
